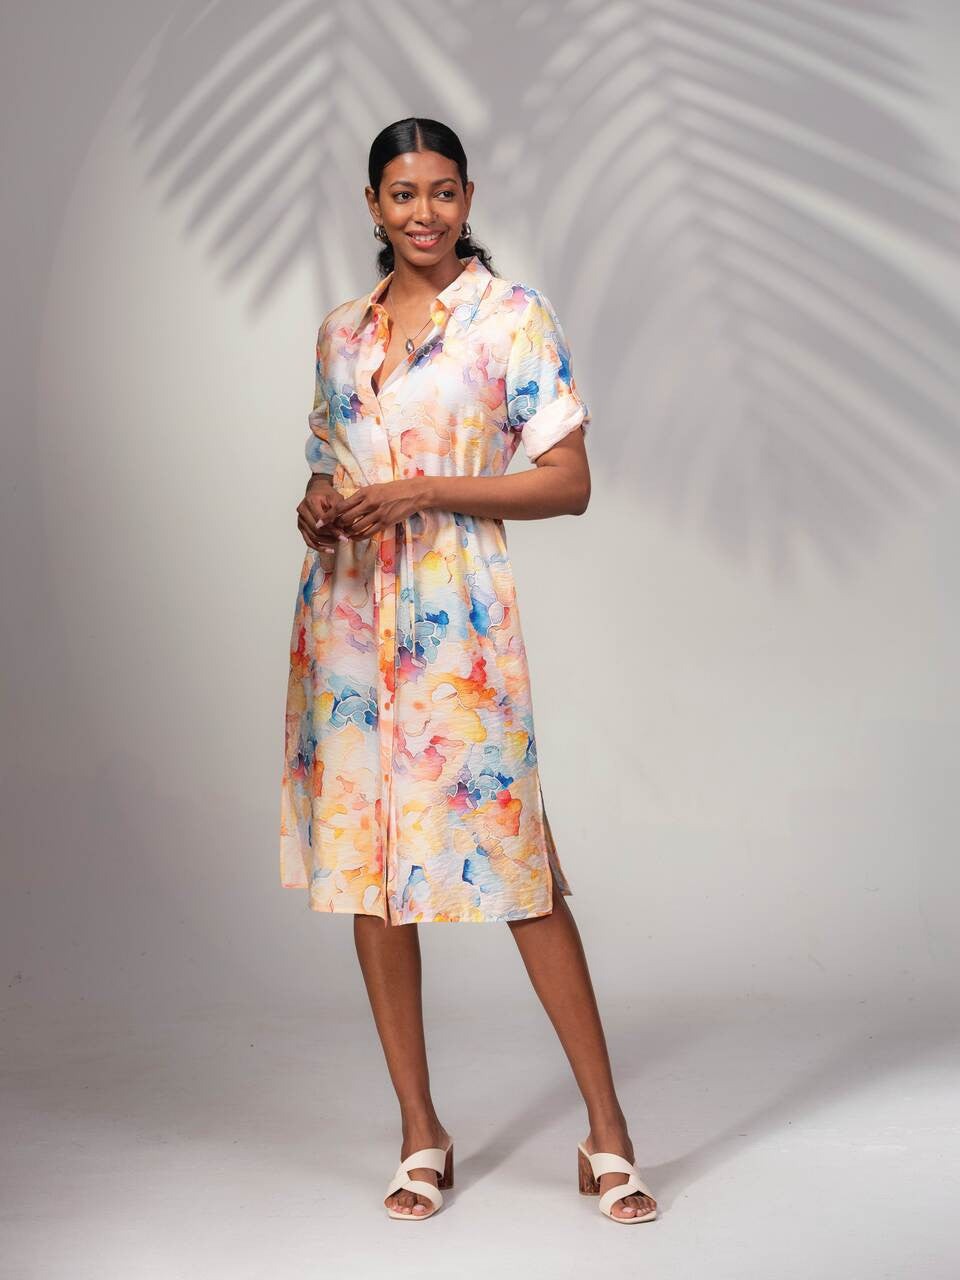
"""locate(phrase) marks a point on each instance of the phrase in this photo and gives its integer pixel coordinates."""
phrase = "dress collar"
(469, 287)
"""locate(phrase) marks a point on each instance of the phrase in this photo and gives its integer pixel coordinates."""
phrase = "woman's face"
(422, 205)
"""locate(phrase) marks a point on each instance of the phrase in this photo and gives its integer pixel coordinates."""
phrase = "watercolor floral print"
(410, 785)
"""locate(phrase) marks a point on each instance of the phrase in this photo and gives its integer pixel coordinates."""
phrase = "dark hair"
(418, 134)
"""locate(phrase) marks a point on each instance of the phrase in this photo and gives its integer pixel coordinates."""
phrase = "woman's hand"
(315, 514)
(377, 506)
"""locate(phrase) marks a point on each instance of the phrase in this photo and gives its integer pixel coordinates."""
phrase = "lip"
(430, 245)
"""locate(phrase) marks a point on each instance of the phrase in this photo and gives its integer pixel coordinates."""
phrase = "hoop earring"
(465, 232)
(380, 231)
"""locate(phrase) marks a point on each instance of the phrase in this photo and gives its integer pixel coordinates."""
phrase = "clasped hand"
(326, 517)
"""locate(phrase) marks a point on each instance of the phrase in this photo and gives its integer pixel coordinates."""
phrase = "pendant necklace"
(410, 344)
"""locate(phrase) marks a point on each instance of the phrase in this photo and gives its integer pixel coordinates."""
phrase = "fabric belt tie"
(412, 612)
(387, 598)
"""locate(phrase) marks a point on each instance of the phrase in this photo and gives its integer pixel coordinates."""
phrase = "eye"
(447, 191)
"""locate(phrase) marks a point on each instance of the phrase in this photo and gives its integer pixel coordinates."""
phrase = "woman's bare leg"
(390, 961)
(552, 951)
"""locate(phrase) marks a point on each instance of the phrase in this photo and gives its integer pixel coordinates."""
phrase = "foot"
(415, 1139)
(614, 1138)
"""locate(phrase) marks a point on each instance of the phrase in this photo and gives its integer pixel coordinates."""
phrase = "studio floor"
(781, 1142)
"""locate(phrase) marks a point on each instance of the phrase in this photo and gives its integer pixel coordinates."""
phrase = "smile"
(425, 240)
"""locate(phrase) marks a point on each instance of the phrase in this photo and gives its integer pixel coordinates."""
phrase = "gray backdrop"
(745, 695)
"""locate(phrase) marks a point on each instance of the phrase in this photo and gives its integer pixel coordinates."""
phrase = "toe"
(642, 1203)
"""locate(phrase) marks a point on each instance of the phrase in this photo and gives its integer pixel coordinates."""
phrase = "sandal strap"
(602, 1162)
(629, 1188)
(428, 1158)
(607, 1162)
(417, 1186)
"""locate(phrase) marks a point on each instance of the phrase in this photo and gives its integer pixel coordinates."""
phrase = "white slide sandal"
(589, 1171)
(436, 1158)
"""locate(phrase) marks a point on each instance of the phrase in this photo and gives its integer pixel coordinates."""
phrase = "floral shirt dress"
(410, 786)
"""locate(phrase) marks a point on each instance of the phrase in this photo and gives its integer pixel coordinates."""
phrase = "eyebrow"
(405, 182)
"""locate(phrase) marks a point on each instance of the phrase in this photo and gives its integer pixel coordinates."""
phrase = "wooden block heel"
(589, 1186)
(446, 1178)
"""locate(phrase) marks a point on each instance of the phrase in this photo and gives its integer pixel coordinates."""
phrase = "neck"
(412, 282)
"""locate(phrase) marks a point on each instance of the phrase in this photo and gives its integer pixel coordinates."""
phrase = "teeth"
(431, 237)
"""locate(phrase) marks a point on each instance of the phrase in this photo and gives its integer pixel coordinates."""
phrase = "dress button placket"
(386, 586)
(384, 606)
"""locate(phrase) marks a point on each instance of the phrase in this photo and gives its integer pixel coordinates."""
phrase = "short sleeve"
(543, 403)
(319, 452)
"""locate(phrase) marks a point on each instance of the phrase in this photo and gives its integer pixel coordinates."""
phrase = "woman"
(410, 788)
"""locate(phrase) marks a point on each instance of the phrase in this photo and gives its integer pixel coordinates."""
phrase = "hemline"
(375, 915)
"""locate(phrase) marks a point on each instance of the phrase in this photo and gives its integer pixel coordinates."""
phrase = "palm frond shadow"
(260, 116)
(752, 180)
(722, 196)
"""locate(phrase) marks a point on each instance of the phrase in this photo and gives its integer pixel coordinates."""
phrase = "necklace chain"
(410, 344)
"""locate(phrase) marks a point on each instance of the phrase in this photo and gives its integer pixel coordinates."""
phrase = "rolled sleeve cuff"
(552, 423)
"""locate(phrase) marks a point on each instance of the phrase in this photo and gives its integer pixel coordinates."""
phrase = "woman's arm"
(558, 484)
